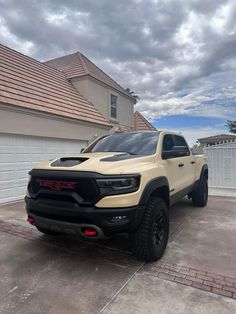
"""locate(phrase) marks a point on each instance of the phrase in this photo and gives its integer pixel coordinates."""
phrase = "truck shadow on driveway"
(201, 238)
(120, 242)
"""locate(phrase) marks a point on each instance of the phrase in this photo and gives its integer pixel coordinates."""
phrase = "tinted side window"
(180, 141)
(168, 142)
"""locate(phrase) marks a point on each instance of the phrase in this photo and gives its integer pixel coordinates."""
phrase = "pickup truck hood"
(104, 163)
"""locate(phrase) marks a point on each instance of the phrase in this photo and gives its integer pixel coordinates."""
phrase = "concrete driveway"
(197, 274)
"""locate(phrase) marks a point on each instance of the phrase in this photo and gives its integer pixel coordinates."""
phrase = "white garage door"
(19, 153)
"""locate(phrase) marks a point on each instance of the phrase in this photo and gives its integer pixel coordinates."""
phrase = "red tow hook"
(90, 232)
(30, 220)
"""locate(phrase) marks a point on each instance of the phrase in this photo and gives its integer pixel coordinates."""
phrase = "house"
(51, 109)
(216, 139)
(141, 123)
(109, 98)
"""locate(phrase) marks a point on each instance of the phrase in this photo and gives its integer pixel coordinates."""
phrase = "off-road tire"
(145, 244)
(48, 232)
(200, 195)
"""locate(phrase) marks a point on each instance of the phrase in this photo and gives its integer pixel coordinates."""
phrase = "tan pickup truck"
(122, 182)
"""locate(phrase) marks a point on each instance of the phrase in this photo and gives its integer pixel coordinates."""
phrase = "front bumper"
(58, 214)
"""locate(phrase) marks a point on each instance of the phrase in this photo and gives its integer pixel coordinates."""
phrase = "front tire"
(200, 195)
(149, 240)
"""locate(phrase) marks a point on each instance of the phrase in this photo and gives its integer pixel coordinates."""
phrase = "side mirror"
(82, 149)
(176, 151)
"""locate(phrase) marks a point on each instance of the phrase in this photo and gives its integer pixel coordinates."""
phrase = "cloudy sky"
(179, 56)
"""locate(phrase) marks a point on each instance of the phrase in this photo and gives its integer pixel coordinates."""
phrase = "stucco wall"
(81, 84)
(99, 95)
(17, 121)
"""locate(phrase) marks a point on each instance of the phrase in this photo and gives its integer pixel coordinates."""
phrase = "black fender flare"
(204, 171)
(151, 186)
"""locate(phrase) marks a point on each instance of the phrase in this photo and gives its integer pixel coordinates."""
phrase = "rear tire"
(200, 195)
(149, 240)
(48, 232)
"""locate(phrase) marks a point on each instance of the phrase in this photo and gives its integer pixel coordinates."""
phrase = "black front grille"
(60, 217)
(83, 189)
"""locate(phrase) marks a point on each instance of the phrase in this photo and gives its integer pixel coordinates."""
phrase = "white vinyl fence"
(221, 161)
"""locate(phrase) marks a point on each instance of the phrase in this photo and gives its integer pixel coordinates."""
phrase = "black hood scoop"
(68, 161)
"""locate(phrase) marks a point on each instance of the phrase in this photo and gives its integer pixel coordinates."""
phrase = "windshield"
(140, 143)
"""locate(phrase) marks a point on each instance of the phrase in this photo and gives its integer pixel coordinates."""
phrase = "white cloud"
(219, 21)
(26, 46)
(56, 19)
(213, 97)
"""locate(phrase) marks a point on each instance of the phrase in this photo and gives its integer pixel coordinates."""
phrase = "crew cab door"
(179, 170)
(188, 161)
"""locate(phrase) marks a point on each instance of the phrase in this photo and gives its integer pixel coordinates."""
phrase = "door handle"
(181, 165)
(193, 162)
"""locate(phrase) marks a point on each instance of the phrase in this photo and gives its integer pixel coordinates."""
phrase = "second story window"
(113, 106)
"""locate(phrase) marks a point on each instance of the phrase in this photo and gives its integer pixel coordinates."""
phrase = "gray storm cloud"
(170, 52)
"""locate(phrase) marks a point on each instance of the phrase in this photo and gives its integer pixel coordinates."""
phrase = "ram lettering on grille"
(56, 185)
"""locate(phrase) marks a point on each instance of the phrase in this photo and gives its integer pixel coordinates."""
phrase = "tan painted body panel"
(149, 167)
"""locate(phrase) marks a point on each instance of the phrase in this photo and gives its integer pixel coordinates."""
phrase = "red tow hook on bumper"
(90, 232)
(30, 220)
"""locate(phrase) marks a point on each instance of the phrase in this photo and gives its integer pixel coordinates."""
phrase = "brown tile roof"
(76, 64)
(141, 123)
(216, 138)
(28, 83)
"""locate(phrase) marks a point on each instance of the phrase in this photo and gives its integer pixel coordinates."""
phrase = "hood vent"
(120, 157)
(68, 162)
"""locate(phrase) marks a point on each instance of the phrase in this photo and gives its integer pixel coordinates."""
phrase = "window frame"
(174, 141)
(171, 135)
(113, 106)
(188, 151)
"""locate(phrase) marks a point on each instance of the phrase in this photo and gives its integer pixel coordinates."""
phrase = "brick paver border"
(203, 280)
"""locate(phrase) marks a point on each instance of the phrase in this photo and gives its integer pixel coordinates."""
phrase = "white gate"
(221, 161)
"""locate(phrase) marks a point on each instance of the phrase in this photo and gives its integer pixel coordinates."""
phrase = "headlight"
(118, 185)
